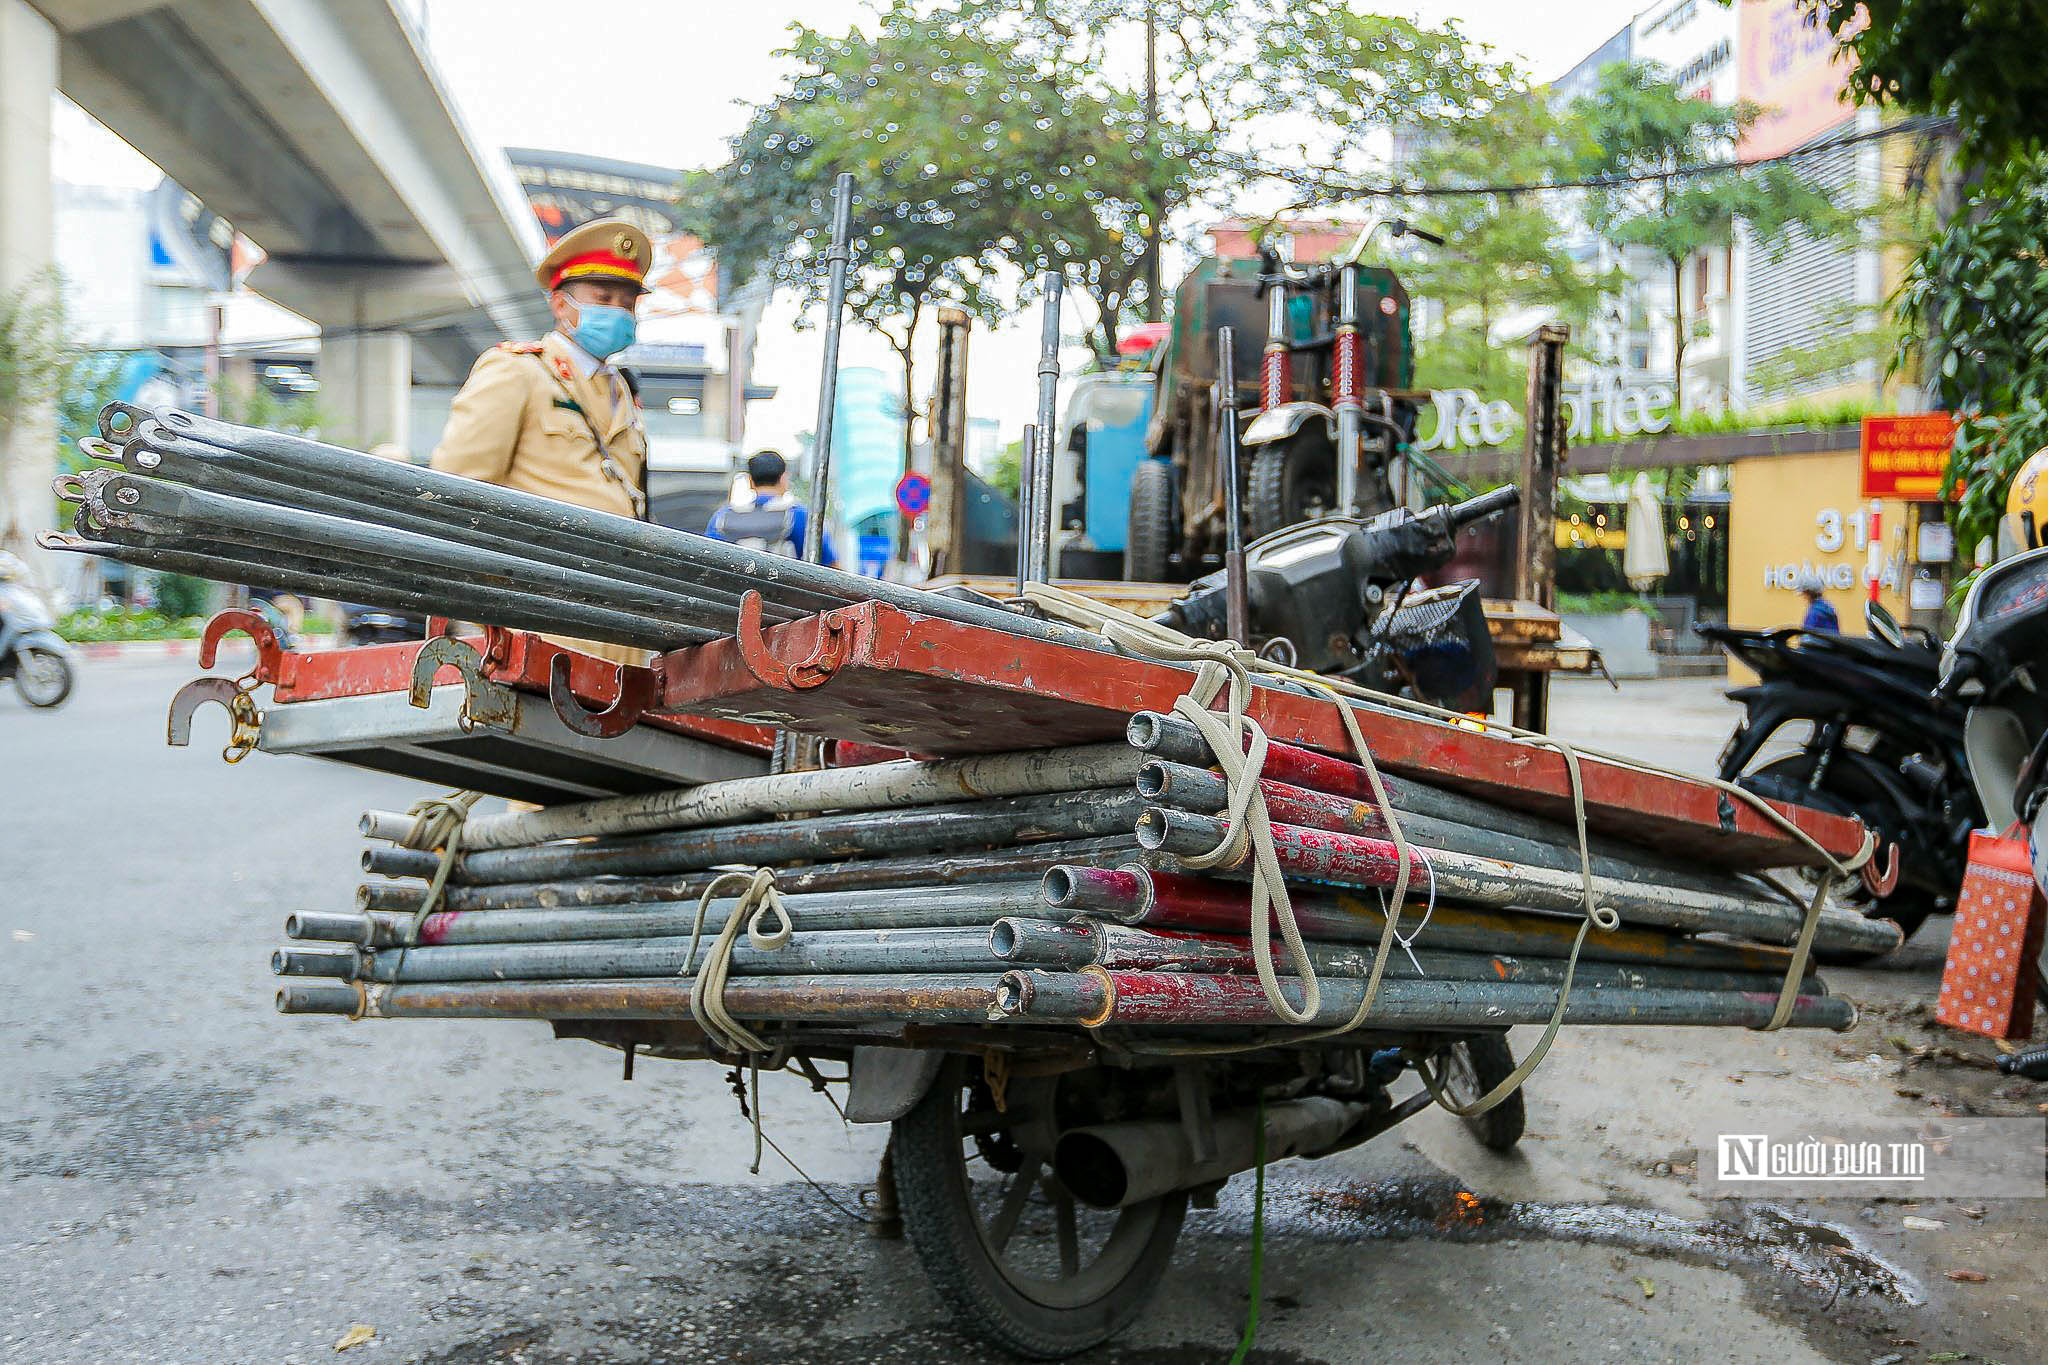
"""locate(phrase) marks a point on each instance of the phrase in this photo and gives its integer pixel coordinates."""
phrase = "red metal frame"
(512, 658)
(904, 681)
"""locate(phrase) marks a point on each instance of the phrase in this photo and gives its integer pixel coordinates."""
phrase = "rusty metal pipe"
(836, 952)
(876, 786)
(1095, 998)
(925, 999)
(1203, 792)
(939, 868)
(160, 454)
(1116, 947)
(1168, 900)
(1351, 860)
(1173, 740)
(1007, 821)
(694, 557)
(914, 907)
(674, 614)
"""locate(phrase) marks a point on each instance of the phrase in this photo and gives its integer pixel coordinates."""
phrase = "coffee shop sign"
(1603, 406)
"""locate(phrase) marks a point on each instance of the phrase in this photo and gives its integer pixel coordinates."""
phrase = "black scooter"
(1877, 745)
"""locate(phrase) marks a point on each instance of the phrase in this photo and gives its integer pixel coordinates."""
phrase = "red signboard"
(1906, 456)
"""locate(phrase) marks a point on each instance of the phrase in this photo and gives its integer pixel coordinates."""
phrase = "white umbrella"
(1645, 560)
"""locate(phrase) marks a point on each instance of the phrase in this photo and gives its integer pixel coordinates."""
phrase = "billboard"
(1789, 63)
(1906, 456)
(567, 189)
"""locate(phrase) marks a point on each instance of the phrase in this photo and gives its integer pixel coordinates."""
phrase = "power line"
(1920, 125)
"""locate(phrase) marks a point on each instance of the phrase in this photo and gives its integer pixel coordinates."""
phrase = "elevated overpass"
(320, 129)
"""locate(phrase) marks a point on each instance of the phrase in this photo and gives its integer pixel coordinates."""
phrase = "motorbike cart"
(1336, 375)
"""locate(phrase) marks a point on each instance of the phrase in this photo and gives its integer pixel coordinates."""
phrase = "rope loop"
(759, 898)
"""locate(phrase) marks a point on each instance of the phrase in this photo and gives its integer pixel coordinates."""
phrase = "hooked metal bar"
(639, 689)
(484, 702)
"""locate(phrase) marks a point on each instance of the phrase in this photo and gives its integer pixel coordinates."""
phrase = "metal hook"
(638, 688)
(245, 721)
(269, 650)
(483, 703)
(802, 675)
(1881, 884)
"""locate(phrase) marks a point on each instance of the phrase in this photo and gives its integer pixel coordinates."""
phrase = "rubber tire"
(1153, 517)
(1784, 779)
(931, 1192)
(64, 689)
(1500, 1127)
(1282, 475)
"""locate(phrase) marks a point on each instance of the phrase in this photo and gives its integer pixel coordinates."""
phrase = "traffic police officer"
(554, 416)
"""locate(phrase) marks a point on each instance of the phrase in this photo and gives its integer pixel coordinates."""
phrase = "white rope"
(759, 899)
(1246, 808)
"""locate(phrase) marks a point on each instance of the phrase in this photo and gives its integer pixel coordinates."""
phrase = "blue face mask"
(604, 330)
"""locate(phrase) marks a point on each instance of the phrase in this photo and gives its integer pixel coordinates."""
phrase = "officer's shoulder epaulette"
(519, 347)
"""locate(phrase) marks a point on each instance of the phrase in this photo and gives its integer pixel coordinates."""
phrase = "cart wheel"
(1468, 1070)
(1291, 482)
(1148, 543)
(1017, 1260)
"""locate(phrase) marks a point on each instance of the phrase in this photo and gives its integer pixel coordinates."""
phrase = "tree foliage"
(1503, 253)
(1978, 59)
(1980, 295)
(1641, 126)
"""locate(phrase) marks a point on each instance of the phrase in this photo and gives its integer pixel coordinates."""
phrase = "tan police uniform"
(547, 417)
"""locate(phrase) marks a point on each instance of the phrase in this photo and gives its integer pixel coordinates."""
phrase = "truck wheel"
(1148, 542)
(1291, 482)
(1016, 1259)
(1471, 1068)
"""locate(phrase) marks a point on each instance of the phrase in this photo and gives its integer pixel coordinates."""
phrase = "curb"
(177, 649)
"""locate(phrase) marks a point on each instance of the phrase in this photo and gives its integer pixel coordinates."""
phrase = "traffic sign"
(913, 493)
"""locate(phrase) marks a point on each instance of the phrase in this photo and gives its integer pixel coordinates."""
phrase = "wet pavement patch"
(1821, 1259)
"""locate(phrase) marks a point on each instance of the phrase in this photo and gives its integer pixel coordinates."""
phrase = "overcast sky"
(664, 82)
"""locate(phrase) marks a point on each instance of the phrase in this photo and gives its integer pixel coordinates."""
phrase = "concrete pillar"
(366, 387)
(28, 435)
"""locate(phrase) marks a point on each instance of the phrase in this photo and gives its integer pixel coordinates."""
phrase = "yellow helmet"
(2026, 503)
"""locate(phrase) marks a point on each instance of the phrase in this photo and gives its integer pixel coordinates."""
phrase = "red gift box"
(1988, 984)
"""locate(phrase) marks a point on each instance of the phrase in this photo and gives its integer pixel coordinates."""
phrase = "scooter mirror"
(1881, 623)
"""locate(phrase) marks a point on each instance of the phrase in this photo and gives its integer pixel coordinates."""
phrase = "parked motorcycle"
(1338, 596)
(31, 651)
(1876, 744)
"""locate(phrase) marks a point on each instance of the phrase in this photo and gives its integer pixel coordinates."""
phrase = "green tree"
(1295, 91)
(1503, 253)
(917, 117)
(1976, 59)
(1641, 129)
(1978, 299)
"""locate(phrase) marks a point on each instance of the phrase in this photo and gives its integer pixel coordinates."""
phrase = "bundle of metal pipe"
(935, 909)
(276, 510)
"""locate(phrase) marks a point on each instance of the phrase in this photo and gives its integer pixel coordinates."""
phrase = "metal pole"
(885, 949)
(1352, 860)
(1044, 513)
(837, 259)
(893, 908)
(1122, 948)
(1347, 388)
(1168, 900)
(905, 782)
(1096, 997)
(928, 998)
(1010, 820)
(1027, 500)
(1236, 592)
(927, 869)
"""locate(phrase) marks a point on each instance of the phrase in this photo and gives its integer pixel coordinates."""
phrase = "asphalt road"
(188, 1176)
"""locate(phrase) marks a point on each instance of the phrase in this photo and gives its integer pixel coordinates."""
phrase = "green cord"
(1251, 1319)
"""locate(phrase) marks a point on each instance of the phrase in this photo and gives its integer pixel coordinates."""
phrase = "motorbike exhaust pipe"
(1113, 1165)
